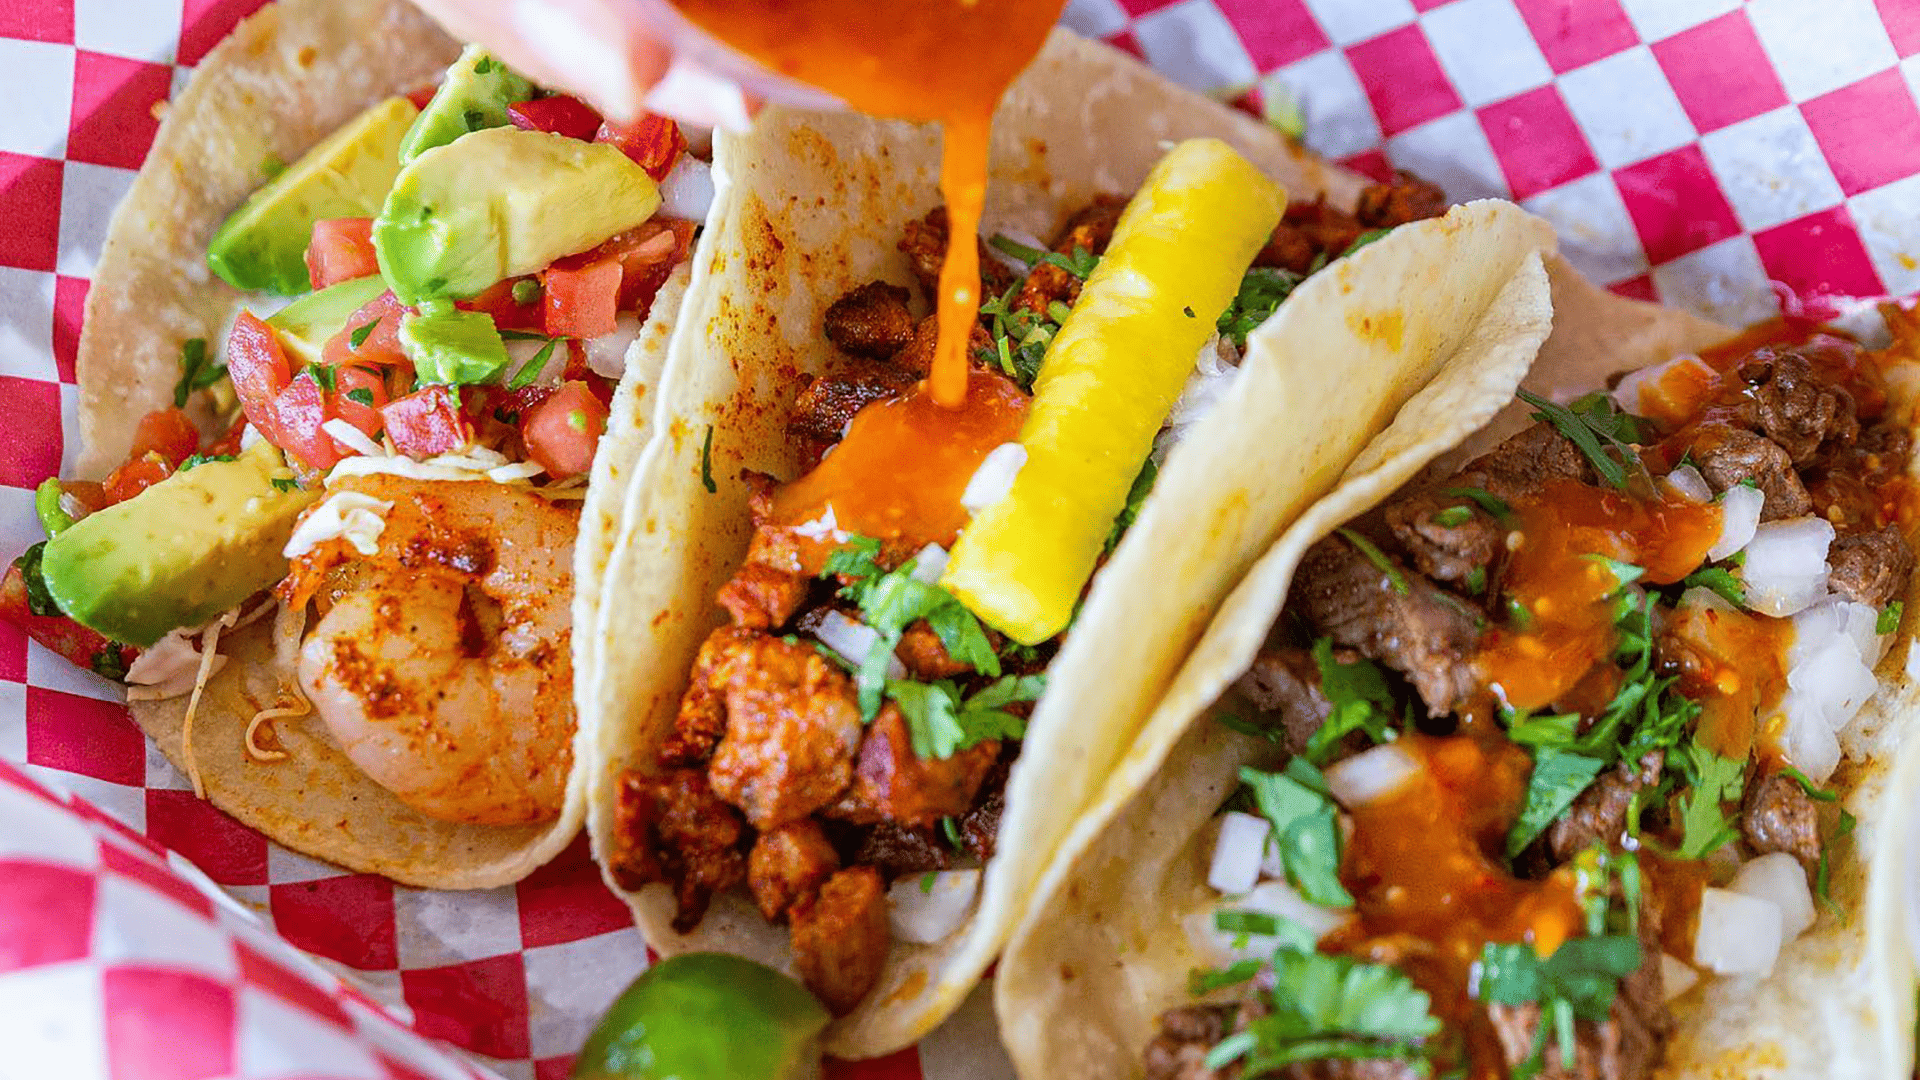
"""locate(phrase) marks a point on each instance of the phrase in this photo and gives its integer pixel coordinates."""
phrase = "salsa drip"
(1583, 686)
(945, 61)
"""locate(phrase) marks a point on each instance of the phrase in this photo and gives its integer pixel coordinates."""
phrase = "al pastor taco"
(877, 654)
(348, 495)
(1568, 756)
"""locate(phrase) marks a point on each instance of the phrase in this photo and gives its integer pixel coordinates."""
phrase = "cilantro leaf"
(706, 462)
(197, 372)
(1331, 1007)
(1604, 434)
(1366, 547)
(855, 558)
(39, 600)
(362, 332)
(1889, 619)
(1714, 780)
(1360, 698)
(1262, 290)
(1453, 516)
(1136, 497)
(1206, 982)
(932, 714)
(1557, 779)
(1306, 829)
(202, 459)
(1721, 581)
(1484, 499)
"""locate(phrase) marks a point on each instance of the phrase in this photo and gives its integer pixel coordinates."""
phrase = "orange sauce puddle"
(899, 473)
(946, 61)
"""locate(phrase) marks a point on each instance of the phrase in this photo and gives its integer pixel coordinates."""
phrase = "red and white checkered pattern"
(1710, 153)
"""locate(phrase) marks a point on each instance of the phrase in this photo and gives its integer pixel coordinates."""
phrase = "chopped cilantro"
(1020, 337)
(1721, 581)
(1557, 730)
(1813, 790)
(1379, 559)
(1822, 873)
(1482, 498)
(526, 291)
(39, 600)
(1714, 780)
(285, 483)
(110, 662)
(1245, 727)
(1477, 580)
(1453, 516)
(361, 333)
(1331, 1007)
(926, 882)
(1519, 615)
(854, 559)
(1578, 982)
(1306, 830)
(1889, 619)
(1206, 982)
(323, 376)
(1364, 239)
(950, 829)
(941, 724)
(1603, 433)
(1558, 777)
(1359, 698)
(1079, 264)
(201, 459)
(197, 371)
(361, 395)
(1136, 498)
(1262, 291)
(1624, 573)
(706, 463)
(531, 370)
(889, 602)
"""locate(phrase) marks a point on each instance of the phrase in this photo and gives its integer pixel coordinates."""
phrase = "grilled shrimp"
(441, 663)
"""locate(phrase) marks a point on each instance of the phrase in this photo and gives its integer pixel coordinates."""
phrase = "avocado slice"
(473, 96)
(179, 553)
(502, 202)
(263, 245)
(453, 347)
(706, 1016)
(305, 325)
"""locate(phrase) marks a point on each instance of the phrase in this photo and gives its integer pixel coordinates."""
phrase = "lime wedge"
(706, 1016)
(1109, 379)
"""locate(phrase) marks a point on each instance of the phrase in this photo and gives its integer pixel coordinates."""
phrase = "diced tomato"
(230, 442)
(562, 431)
(559, 114)
(381, 347)
(508, 313)
(583, 300)
(647, 253)
(69, 639)
(341, 250)
(287, 411)
(358, 395)
(136, 476)
(168, 433)
(421, 95)
(427, 422)
(654, 142)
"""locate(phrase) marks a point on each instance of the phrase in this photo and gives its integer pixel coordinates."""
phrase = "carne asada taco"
(860, 684)
(336, 562)
(1566, 757)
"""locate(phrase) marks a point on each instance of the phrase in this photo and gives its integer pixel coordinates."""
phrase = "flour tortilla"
(811, 206)
(285, 79)
(1095, 962)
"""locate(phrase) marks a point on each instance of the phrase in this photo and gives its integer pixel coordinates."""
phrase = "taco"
(334, 554)
(836, 731)
(1566, 756)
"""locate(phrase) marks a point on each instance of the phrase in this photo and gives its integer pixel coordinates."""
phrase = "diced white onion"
(1236, 852)
(822, 527)
(1629, 393)
(606, 355)
(1687, 483)
(1372, 774)
(351, 437)
(687, 192)
(995, 476)
(1701, 598)
(1831, 682)
(1739, 517)
(1859, 622)
(1214, 368)
(357, 518)
(853, 640)
(168, 668)
(1738, 934)
(521, 351)
(1786, 566)
(924, 912)
(1779, 880)
(1807, 742)
(929, 563)
(1676, 977)
(1272, 897)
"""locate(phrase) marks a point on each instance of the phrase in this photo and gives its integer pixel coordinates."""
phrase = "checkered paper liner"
(1723, 156)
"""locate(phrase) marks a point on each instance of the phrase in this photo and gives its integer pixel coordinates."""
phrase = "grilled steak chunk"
(1398, 619)
(1870, 567)
(898, 850)
(1779, 815)
(840, 938)
(1447, 537)
(1791, 404)
(871, 321)
(673, 828)
(1284, 684)
(1728, 455)
(1599, 814)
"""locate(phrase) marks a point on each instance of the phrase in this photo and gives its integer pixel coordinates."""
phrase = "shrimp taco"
(879, 652)
(1565, 757)
(343, 549)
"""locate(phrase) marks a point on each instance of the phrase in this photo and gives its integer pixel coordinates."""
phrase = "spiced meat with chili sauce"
(793, 728)
(871, 321)
(789, 864)
(892, 783)
(672, 828)
(824, 409)
(895, 849)
(925, 245)
(1728, 456)
(1403, 199)
(769, 586)
(1086, 233)
(840, 937)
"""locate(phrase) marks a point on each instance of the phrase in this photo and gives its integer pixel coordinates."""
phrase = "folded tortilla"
(1093, 965)
(286, 78)
(809, 207)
